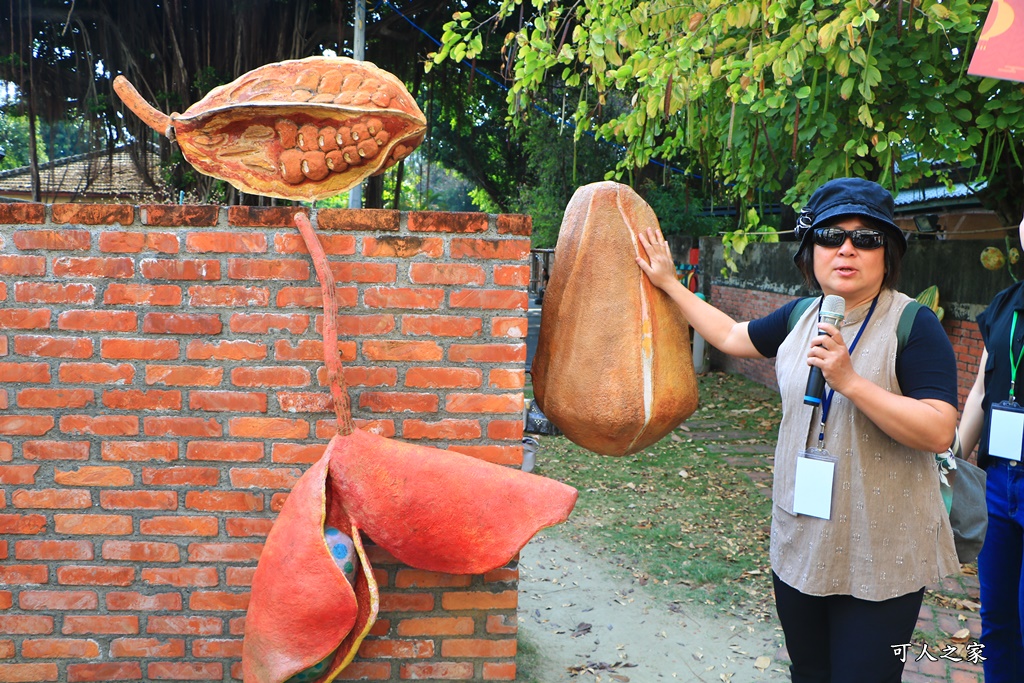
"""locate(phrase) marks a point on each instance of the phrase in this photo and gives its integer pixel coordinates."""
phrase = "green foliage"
(775, 96)
(679, 212)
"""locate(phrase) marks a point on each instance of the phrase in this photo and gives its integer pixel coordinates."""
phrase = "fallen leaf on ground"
(762, 663)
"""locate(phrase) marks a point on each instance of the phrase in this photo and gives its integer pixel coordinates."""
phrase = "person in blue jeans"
(993, 421)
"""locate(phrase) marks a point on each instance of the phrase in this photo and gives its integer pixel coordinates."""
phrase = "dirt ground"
(584, 625)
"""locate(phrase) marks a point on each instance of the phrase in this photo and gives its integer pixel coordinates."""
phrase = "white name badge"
(815, 472)
(1006, 431)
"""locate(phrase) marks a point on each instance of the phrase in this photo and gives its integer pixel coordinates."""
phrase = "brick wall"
(748, 304)
(162, 388)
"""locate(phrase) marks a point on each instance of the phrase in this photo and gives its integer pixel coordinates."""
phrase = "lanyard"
(827, 403)
(1014, 363)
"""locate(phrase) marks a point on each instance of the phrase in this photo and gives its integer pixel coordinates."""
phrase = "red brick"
(264, 478)
(227, 401)
(185, 625)
(58, 600)
(448, 671)
(309, 349)
(103, 425)
(59, 499)
(368, 220)
(147, 648)
(501, 299)
(52, 648)
(179, 526)
(305, 402)
(480, 600)
(185, 671)
(98, 321)
(286, 453)
(89, 475)
(237, 349)
(499, 671)
(360, 377)
(441, 325)
(139, 349)
(365, 671)
(171, 215)
(97, 624)
(138, 500)
(513, 276)
(136, 551)
(175, 269)
(217, 648)
(24, 266)
(95, 576)
(445, 221)
(326, 429)
(270, 377)
(403, 247)
(436, 626)
(115, 671)
(182, 576)
(401, 350)
(242, 527)
(443, 378)
(360, 325)
(400, 297)
(264, 217)
(14, 214)
(54, 293)
(499, 378)
(6, 452)
(514, 328)
(53, 347)
(515, 224)
(29, 624)
(93, 267)
(183, 375)
(504, 249)
(18, 475)
(484, 403)
(499, 455)
(268, 428)
(55, 398)
(93, 214)
(118, 601)
(92, 524)
(442, 429)
(52, 240)
(364, 272)
(226, 242)
(181, 426)
(135, 242)
(23, 574)
(139, 451)
(398, 402)
(180, 476)
(505, 430)
(267, 269)
(396, 649)
(223, 501)
(55, 450)
(292, 243)
(132, 294)
(487, 353)
(24, 318)
(181, 323)
(310, 297)
(89, 373)
(418, 578)
(225, 552)
(141, 399)
(52, 549)
(224, 451)
(24, 673)
(446, 274)
(25, 425)
(265, 323)
(502, 624)
(228, 295)
(7, 648)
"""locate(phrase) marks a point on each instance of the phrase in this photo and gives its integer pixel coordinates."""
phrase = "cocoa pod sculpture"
(300, 129)
(431, 509)
(613, 367)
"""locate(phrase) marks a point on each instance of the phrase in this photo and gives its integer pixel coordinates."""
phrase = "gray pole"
(355, 195)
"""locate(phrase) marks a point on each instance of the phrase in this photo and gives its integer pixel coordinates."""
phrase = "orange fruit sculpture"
(302, 129)
(613, 368)
(431, 509)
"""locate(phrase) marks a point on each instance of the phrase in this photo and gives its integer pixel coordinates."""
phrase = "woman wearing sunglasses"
(858, 523)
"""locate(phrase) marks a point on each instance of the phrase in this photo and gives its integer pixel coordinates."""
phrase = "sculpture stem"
(154, 118)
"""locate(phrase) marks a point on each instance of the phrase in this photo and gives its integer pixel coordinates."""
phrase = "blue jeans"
(999, 573)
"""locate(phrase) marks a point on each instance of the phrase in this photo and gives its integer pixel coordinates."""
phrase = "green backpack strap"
(906, 324)
(798, 310)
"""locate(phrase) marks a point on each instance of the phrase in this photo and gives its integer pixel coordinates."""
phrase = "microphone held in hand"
(832, 310)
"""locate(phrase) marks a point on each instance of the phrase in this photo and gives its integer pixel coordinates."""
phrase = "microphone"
(832, 310)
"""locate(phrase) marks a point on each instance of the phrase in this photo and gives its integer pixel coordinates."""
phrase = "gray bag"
(968, 513)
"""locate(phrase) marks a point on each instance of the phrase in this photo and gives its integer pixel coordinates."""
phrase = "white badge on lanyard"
(815, 472)
(1006, 430)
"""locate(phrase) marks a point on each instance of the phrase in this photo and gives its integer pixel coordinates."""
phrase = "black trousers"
(843, 639)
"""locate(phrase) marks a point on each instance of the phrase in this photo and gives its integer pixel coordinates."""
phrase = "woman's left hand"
(829, 352)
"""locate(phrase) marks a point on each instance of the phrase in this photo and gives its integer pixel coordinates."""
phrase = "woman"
(850, 561)
(999, 563)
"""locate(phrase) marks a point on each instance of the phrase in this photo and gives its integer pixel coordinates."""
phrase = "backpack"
(903, 328)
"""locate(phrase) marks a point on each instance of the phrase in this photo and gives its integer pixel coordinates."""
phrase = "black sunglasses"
(862, 238)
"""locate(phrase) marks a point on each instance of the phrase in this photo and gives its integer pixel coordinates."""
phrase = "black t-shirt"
(925, 366)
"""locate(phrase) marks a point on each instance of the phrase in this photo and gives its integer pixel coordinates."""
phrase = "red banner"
(1000, 51)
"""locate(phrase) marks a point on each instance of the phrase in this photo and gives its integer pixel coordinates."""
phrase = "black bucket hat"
(849, 197)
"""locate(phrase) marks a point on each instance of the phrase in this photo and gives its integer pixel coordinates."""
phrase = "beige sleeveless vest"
(889, 533)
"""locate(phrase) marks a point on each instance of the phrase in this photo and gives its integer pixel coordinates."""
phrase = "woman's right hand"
(661, 269)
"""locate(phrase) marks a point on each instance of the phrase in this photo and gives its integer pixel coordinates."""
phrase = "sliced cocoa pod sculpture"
(613, 368)
(431, 509)
(301, 129)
